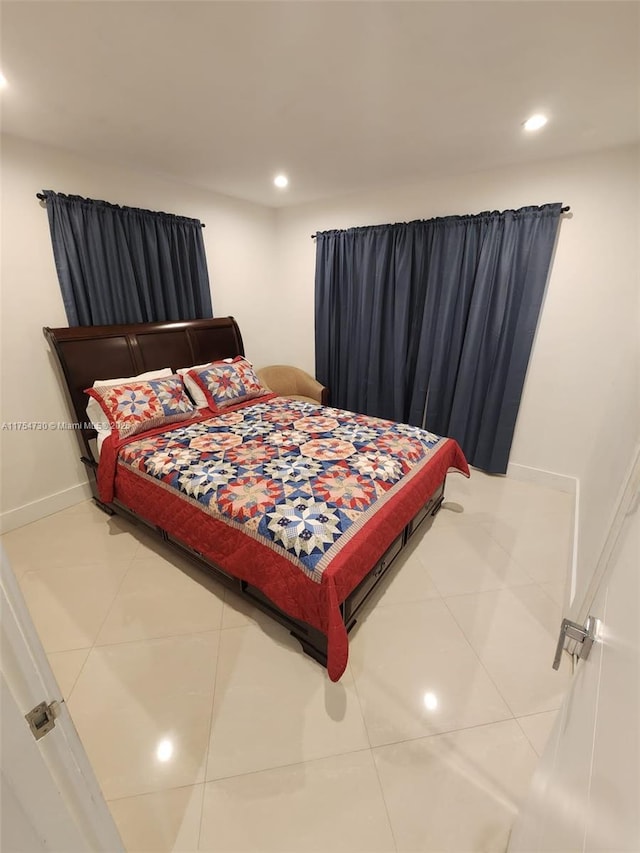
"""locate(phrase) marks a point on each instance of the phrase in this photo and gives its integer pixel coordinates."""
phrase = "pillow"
(224, 383)
(195, 391)
(94, 410)
(141, 405)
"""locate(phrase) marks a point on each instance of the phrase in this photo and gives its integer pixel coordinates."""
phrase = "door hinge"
(582, 635)
(42, 718)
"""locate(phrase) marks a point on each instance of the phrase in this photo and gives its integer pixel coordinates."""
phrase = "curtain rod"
(43, 197)
(565, 209)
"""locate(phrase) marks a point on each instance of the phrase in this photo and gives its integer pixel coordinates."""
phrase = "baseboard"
(548, 479)
(45, 506)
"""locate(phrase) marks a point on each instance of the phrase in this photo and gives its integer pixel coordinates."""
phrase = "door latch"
(582, 635)
(42, 718)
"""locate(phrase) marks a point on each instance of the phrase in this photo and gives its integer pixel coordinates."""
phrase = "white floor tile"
(143, 712)
(514, 632)
(456, 793)
(540, 544)
(333, 804)
(407, 580)
(556, 591)
(67, 539)
(162, 822)
(416, 674)
(537, 728)
(66, 667)
(68, 604)
(273, 706)
(238, 612)
(489, 496)
(162, 597)
(467, 559)
(85, 508)
(268, 751)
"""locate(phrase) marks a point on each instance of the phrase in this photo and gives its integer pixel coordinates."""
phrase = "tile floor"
(209, 730)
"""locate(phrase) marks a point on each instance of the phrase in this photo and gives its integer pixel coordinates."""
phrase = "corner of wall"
(547, 479)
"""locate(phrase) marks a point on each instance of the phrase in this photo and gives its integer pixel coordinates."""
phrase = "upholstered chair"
(288, 381)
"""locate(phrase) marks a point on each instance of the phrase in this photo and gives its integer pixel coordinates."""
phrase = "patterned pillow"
(225, 383)
(193, 390)
(137, 406)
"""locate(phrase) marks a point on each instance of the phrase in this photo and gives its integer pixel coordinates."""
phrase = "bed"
(301, 509)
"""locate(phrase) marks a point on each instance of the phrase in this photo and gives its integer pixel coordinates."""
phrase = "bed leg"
(104, 507)
(311, 650)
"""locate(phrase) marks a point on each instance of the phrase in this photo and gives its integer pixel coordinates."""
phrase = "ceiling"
(341, 96)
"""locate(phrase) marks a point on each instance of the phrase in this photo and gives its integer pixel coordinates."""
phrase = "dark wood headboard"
(87, 353)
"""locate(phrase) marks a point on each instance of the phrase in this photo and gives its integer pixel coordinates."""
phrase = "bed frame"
(87, 353)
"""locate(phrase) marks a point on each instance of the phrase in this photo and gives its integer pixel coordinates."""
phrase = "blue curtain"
(125, 265)
(432, 322)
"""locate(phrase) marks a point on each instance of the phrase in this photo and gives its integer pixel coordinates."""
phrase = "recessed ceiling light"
(535, 122)
(281, 181)
(3, 81)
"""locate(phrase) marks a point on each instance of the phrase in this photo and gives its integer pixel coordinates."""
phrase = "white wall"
(239, 240)
(580, 411)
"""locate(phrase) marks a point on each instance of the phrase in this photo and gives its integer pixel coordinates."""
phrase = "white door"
(50, 797)
(585, 794)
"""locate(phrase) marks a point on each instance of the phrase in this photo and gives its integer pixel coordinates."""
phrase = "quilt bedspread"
(319, 492)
